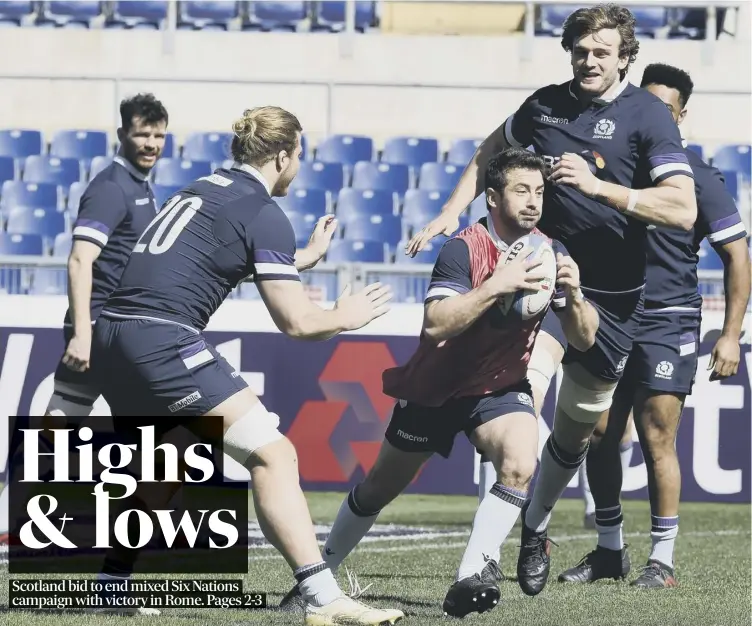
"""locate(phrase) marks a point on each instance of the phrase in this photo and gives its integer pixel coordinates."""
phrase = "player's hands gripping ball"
(567, 274)
(358, 309)
(521, 273)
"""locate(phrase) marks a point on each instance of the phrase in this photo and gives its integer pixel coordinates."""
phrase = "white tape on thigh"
(60, 407)
(541, 370)
(581, 403)
(255, 429)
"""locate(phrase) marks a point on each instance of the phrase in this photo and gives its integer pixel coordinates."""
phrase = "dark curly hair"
(145, 106)
(513, 158)
(669, 76)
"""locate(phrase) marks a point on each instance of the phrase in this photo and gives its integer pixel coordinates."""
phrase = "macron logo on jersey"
(553, 120)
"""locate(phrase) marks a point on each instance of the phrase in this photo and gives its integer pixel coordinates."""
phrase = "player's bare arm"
(579, 319)
(318, 244)
(671, 203)
(449, 317)
(469, 187)
(80, 263)
(297, 316)
(724, 359)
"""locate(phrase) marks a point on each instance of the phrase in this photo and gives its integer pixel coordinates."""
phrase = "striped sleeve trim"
(91, 230)
(274, 265)
(441, 290)
(508, 133)
(727, 229)
(666, 165)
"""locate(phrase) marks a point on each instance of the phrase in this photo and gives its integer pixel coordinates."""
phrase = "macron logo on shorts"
(196, 395)
(410, 437)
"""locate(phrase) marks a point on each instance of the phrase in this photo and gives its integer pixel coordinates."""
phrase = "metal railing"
(47, 276)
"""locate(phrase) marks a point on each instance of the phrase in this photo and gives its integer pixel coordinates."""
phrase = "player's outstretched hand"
(364, 306)
(724, 359)
(517, 274)
(442, 224)
(322, 234)
(573, 170)
(567, 274)
(77, 353)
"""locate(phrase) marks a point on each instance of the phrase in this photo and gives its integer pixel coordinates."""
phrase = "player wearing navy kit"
(661, 369)
(152, 360)
(469, 375)
(617, 164)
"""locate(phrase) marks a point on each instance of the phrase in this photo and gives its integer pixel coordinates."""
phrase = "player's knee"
(59, 408)
(246, 438)
(540, 371)
(517, 472)
(582, 402)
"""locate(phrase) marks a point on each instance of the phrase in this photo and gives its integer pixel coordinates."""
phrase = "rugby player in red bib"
(469, 375)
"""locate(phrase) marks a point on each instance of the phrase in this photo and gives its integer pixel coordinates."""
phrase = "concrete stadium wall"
(374, 84)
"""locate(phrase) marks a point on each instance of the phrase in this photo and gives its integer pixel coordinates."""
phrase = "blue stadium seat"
(203, 14)
(98, 164)
(20, 143)
(330, 15)
(317, 175)
(207, 146)
(163, 192)
(462, 150)
(552, 18)
(439, 176)
(63, 245)
(422, 206)
(305, 202)
(180, 172)
(47, 169)
(427, 256)
(382, 228)
(74, 197)
(349, 251)
(708, 258)
(697, 149)
(27, 221)
(345, 149)
(649, 19)
(35, 195)
(365, 202)
(80, 11)
(79, 144)
(168, 151)
(8, 169)
(735, 158)
(411, 151)
(731, 178)
(132, 13)
(302, 226)
(14, 11)
(278, 15)
(12, 244)
(367, 175)
(49, 281)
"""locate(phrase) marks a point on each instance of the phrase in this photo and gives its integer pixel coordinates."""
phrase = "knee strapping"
(60, 407)
(581, 403)
(254, 430)
(541, 370)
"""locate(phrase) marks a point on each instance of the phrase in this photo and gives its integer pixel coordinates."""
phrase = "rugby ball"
(524, 303)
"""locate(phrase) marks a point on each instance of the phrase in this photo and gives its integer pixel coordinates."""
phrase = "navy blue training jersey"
(114, 211)
(672, 254)
(206, 239)
(629, 139)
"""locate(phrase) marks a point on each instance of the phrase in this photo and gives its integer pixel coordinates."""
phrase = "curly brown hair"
(592, 19)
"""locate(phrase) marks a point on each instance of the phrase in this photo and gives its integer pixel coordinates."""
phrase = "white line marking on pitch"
(559, 539)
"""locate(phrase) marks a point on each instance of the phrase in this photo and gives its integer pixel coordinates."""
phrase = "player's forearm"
(472, 182)
(737, 284)
(305, 258)
(79, 294)
(450, 317)
(579, 320)
(316, 324)
(671, 206)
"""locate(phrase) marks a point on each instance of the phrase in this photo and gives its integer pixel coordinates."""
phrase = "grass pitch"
(712, 553)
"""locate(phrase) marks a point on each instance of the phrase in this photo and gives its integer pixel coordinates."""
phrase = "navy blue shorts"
(620, 316)
(665, 352)
(77, 387)
(416, 428)
(551, 325)
(159, 369)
